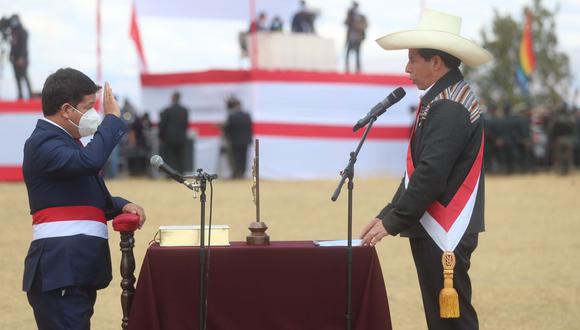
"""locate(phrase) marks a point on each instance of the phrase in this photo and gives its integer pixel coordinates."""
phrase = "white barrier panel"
(17, 121)
(294, 51)
(303, 119)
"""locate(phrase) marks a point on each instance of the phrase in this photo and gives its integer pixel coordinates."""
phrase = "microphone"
(380, 108)
(157, 162)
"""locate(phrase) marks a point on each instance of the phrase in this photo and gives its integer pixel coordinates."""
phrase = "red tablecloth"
(287, 285)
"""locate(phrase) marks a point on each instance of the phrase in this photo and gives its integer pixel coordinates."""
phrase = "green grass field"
(525, 271)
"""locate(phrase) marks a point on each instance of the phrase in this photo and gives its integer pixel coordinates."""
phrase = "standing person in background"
(440, 202)
(303, 20)
(356, 25)
(69, 259)
(523, 138)
(539, 138)
(562, 133)
(19, 55)
(173, 123)
(239, 134)
(490, 149)
(506, 140)
(576, 112)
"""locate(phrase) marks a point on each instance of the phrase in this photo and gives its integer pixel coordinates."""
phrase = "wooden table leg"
(127, 274)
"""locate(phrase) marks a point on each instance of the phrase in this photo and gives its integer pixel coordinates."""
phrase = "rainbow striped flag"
(527, 56)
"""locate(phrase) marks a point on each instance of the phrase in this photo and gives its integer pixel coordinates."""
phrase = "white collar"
(55, 124)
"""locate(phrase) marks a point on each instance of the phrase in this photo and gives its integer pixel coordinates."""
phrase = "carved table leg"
(127, 273)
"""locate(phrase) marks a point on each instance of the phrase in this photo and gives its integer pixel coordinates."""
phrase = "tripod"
(348, 173)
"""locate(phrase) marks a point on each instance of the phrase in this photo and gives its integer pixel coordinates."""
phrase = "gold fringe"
(448, 297)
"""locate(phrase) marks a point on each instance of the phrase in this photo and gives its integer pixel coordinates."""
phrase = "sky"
(62, 33)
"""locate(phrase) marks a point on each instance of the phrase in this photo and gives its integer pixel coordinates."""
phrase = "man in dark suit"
(303, 20)
(69, 256)
(239, 133)
(439, 204)
(173, 123)
(19, 55)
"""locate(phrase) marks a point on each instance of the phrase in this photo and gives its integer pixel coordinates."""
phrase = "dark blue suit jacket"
(59, 172)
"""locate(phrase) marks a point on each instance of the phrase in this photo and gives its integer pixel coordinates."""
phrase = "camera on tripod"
(6, 26)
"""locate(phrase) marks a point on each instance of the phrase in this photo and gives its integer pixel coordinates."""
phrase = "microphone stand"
(201, 179)
(348, 173)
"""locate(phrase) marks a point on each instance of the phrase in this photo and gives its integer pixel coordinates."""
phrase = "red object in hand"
(126, 222)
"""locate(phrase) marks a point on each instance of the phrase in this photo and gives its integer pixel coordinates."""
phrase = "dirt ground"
(525, 271)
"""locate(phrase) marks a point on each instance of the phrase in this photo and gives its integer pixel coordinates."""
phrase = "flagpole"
(253, 35)
(421, 8)
(99, 72)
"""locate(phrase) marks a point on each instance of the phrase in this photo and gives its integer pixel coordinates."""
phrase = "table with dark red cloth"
(286, 285)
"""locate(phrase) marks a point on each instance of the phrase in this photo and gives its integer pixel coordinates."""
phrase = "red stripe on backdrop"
(68, 213)
(34, 106)
(206, 129)
(310, 131)
(330, 132)
(239, 76)
(11, 173)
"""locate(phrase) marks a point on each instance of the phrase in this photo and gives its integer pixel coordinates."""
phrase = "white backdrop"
(303, 119)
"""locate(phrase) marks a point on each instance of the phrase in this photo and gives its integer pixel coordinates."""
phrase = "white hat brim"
(466, 50)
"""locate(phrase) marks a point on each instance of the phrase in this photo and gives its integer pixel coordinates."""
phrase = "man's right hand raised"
(110, 105)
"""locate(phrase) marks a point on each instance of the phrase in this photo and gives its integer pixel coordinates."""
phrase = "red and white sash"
(447, 224)
(63, 221)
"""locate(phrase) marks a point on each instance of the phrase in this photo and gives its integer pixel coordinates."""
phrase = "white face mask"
(89, 122)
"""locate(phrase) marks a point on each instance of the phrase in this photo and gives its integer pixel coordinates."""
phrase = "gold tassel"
(448, 297)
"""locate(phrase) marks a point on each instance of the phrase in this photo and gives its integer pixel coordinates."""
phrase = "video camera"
(6, 26)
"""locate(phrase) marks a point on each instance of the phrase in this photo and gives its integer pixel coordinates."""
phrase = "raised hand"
(110, 105)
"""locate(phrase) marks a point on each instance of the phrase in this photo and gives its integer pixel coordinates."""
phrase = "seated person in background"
(259, 25)
(277, 25)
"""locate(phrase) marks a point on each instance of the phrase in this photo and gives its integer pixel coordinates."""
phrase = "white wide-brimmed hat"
(439, 31)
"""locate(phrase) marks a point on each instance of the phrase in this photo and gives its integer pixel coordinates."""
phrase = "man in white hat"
(439, 204)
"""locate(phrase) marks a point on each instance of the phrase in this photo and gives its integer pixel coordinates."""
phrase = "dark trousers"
(427, 256)
(352, 46)
(20, 73)
(68, 308)
(174, 155)
(240, 155)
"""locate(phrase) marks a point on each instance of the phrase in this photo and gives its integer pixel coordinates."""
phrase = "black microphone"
(157, 162)
(380, 108)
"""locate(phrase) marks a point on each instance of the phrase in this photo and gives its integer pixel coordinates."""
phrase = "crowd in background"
(303, 21)
(520, 139)
(171, 140)
(517, 140)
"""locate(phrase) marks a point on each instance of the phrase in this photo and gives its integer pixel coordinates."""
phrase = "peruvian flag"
(136, 36)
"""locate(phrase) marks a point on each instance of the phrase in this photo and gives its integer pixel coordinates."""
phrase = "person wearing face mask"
(69, 258)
